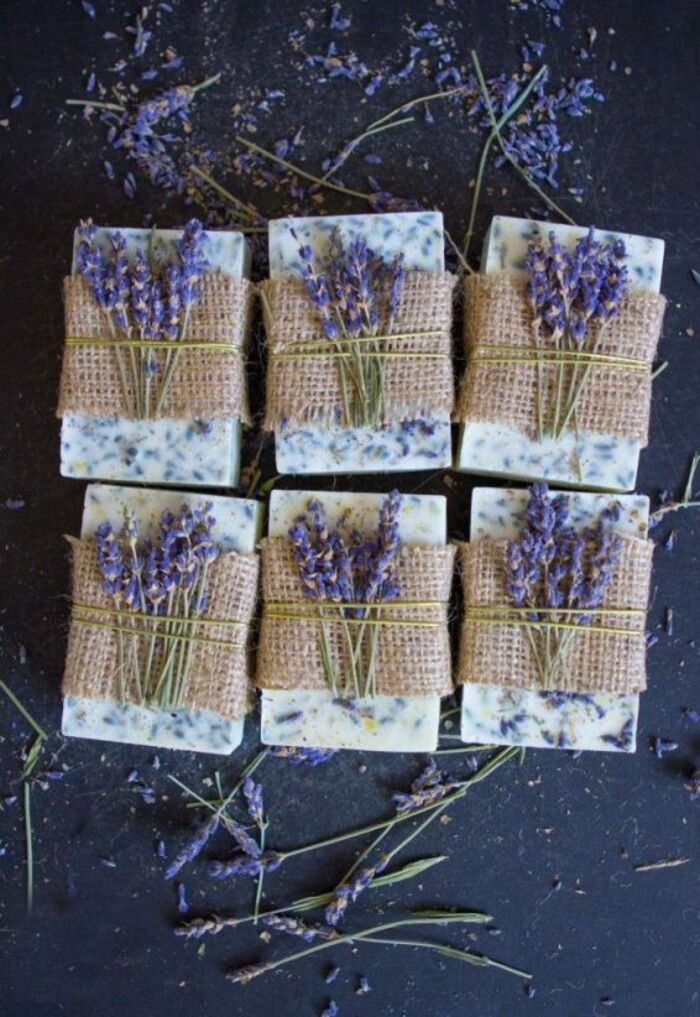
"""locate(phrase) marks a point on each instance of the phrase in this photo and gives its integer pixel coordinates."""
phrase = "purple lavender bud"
(194, 846)
(298, 754)
(253, 794)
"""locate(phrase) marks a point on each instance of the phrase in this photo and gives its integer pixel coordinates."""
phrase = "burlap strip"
(206, 383)
(220, 674)
(614, 401)
(309, 391)
(412, 660)
(596, 661)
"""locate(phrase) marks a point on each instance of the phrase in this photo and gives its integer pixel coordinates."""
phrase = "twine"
(292, 610)
(506, 368)
(155, 344)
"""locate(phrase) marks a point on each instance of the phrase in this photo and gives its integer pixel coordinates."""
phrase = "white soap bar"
(199, 453)
(411, 445)
(592, 721)
(316, 718)
(605, 462)
(238, 528)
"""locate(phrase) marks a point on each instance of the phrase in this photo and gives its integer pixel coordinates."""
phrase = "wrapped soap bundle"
(561, 328)
(358, 311)
(153, 382)
(163, 596)
(553, 649)
(354, 647)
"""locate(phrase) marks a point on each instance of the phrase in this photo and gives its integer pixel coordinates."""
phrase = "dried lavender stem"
(514, 163)
(243, 207)
(503, 120)
(352, 145)
(23, 710)
(300, 172)
(96, 105)
(29, 845)
(478, 960)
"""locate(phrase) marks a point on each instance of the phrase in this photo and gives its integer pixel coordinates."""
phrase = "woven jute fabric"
(614, 400)
(219, 676)
(412, 660)
(595, 661)
(306, 391)
(206, 383)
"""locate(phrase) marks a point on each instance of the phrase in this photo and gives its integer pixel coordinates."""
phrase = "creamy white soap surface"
(317, 718)
(595, 461)
(421, 445)
(164, 451)
(238, 527)
(582, 721)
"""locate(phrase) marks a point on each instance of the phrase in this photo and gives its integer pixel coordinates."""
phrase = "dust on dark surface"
(549, 848)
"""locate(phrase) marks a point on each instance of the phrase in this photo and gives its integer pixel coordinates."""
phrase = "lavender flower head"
(300, 755)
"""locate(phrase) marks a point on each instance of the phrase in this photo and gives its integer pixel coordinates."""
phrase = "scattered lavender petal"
(663, 747)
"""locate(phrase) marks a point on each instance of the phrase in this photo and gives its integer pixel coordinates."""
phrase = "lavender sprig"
(194, 847)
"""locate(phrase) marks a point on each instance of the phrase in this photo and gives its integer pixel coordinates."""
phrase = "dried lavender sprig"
(199, 927)
(295, 927)
(245, 974)
(194, 847)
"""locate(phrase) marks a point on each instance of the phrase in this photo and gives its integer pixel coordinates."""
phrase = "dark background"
(548, 848)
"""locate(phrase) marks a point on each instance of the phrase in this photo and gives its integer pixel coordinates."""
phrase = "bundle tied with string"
(304, 385)
(209, 378)
(508, 363)
(413, 649)
(218, 677)
(607, 654)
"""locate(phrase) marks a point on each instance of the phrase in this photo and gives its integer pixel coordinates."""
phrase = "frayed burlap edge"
(614, 401)
(219, 675)
(210, 384)
(596, 661)
(309, 391)
(412, 660)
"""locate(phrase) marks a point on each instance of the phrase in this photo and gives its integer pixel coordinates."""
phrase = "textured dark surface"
(549, 849)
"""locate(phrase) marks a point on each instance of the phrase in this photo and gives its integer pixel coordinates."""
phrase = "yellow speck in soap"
(369, 724)
(80, 466)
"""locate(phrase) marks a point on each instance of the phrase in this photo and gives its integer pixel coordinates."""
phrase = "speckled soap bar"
(593, 721)
(238, 528)
(606, 462)
(194, 453)
(317, 718)
(413, 445)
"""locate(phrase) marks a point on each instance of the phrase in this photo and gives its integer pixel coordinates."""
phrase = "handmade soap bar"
(423, 443)
(197, 452)
(237, 528)
(592, 460)
(318, 718)
(542, 719)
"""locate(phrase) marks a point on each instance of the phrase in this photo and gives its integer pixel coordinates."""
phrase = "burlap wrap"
(219, 678)
(595, 661)
(207, 383)
(309, 390)
(614, 400)
(411, 660)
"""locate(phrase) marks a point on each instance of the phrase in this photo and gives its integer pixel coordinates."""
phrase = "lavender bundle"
(356, 575)
(560, 575)
(568, 294)
(159, 591)
(145, 305)
(356, 295)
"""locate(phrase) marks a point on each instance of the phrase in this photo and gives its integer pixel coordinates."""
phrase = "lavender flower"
(194, 847)
(428, 788)
(295, 927)
(347, 893)
(242, 864)
(247, 844)
(300, 754)
(253, 794)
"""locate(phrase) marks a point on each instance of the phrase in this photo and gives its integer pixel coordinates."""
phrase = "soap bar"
(238, 528)
(316, 717)
(549, 719)
(422, 444)
(199, 453)
(605, 461)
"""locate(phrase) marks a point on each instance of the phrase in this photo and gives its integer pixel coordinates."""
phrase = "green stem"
(261, 874)
(243, 207)
(477, 959)
(22, 709)
(352, 145)
(514, 163)
(300, 172)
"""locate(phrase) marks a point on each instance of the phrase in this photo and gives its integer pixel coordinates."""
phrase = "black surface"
(99, 940)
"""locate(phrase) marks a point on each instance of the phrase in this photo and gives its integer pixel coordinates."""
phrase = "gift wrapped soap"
(153, 386)
(354, 650)
(358, 310)
(164, 590)
(552, 650)
(561, 328)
